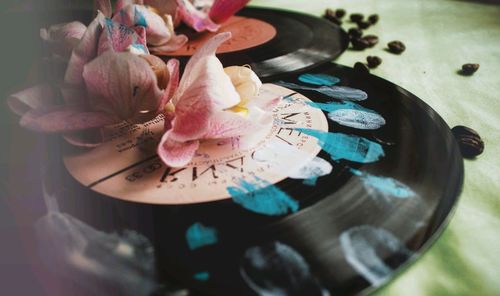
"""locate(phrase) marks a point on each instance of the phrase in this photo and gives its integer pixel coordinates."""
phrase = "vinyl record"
(354, 180)
(273, 42)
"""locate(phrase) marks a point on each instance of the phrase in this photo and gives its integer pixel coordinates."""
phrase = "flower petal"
(122, 84)
(226, 124)
(38, 96)
(176, 154)
(63, 38)
(172, 43)
(173, 82)
(222, 10)
(119, 37)
(63, 119)
(166, 7)
(120, 4)
(84, 52)
(194, 18)
(204, 89)
(103, 6)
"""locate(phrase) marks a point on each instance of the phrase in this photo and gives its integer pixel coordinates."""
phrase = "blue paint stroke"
(202, 276)
(336, 92)
(319, 79)
(351, 114)
(278, 269)
(310, 181)
(198, 236)
(140, 18)
(365, 248)
(348, 147)
(262, 197)
(385, 185)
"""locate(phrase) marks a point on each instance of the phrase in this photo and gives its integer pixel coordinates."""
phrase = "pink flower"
(63, 38)
(104, 84)
(210, 103)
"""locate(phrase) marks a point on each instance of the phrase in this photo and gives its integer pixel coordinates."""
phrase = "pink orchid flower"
(105, 84)
(211, 103)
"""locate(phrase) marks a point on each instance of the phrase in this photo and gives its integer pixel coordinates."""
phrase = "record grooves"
(340, 210)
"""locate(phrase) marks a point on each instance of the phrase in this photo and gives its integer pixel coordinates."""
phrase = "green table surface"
(440, 36)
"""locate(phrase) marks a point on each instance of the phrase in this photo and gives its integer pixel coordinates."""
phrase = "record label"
(127, 167)
(246, 33)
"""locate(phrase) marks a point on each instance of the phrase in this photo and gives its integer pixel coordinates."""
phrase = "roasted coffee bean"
(359, 44)
(396, 47)
(373, 61)
(356, 17)
(361, 68)
(363, 25)
(469, 141)
(469, 69)
(372, 40)
(330, 15)
(340, 13)
(355, 33)
(373, 19)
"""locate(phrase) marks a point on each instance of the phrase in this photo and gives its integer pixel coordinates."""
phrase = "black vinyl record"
(302, 41)
(346, 232)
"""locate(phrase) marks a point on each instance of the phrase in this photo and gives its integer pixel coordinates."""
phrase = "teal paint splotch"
(348, 147)
(310, 181)
(385, 185)
(351, 114)
(139, 18)
(319, 79)
(336, 92)
(202, 276)
(262, 197)
(198, 236)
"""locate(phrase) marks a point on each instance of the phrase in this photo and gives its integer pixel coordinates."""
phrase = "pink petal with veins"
(103, 6)
(173, 82)
(84, 52)
(38, 96)
(176, 154)
(64, 119)
(222, 10)
(194, 18)
(119, 37)
(63, 38)
(203, 89)
(123, 84)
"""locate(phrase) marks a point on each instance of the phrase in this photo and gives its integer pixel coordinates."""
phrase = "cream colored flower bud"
(245, 81)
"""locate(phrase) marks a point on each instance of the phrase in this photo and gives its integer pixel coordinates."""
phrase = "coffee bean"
(340, 13)
(469, 141)
(331, 16)
(396, 47)
(359, 44)
(361, 68)
(469, 69)
(363, 25)
(355, 33)
(372, 40)
(373, 61)
(356, 17)
(373, 19)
